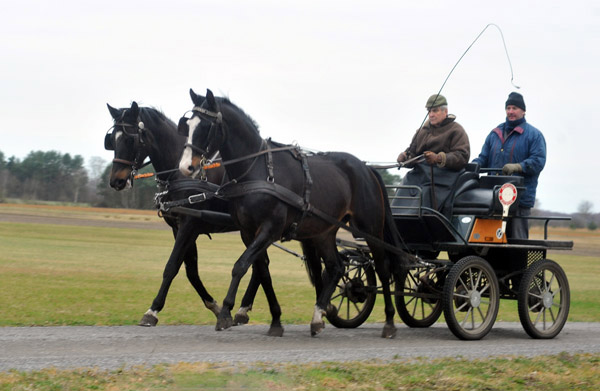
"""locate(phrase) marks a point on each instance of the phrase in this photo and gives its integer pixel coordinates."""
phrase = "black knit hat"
(516, 99)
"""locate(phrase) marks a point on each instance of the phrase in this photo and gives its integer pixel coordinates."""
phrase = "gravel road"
(32, 348)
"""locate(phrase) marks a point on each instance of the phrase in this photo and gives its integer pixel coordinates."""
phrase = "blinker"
(109, 144)
(182, 128)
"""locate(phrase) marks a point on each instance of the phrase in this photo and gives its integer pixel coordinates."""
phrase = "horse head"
(128, 139)
(204, 130)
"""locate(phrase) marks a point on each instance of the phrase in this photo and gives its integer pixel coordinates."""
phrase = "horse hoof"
(389, 331)
(316, 328)
(332, 312)
(275, 331)
(223, 324)
(240, 319)
(148, 320)
(214, 307)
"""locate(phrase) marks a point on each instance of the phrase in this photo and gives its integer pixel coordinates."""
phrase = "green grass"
(74, 275)
(559, 372)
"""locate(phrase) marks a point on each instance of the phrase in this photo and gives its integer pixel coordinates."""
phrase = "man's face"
(514, 113)
(437, 115)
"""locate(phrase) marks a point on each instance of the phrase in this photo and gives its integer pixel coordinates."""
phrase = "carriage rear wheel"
(471, 298)
(354, 297)
(543, 299)
(420, 304)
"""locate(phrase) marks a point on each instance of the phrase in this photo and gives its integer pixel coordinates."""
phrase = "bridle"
(138, 144)
(216, 119)
(216, 124)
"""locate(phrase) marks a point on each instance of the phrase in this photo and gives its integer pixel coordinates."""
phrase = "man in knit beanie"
(518, 148)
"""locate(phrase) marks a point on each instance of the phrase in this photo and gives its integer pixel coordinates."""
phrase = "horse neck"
(242, 140)
(166, 148)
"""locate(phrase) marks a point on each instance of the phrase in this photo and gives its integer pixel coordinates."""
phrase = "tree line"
(54, 176)
(58, 177)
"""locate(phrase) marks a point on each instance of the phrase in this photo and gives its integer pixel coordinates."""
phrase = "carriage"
(482, 265)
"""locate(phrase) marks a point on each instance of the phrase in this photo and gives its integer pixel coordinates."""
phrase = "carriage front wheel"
(544, 299)
(354, 297)
(471, 298)
(419, 302)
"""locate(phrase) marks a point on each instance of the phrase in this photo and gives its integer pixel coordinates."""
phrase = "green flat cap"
(436, 100)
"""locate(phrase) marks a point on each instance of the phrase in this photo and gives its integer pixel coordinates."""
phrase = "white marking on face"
(118, 134)
(186, 158)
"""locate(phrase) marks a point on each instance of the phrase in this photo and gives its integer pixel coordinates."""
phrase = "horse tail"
(310, 272)
(391, 235)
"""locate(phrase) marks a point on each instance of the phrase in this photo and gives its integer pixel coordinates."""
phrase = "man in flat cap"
(445, 147)
(517, 148)
(441, 140)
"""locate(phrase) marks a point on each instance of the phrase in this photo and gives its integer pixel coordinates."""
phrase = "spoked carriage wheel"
(421, 302)
(544, 299)
(471, 298)
(354, 297)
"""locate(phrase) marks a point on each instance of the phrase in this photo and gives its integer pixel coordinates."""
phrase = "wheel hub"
(475, 299)
(426, 285)
(547, 299)
(355, 290)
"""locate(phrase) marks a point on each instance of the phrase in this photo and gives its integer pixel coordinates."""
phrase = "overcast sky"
(347, 75)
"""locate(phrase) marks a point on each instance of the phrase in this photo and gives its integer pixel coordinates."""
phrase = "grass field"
(58, 267)
(553, 373)
(70, 274)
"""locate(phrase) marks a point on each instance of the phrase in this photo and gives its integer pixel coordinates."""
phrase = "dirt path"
(32, 348)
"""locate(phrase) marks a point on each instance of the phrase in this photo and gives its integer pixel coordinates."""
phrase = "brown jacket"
(449, 140)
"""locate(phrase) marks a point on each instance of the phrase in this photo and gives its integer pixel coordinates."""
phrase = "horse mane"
(153, 117)
(246, 117)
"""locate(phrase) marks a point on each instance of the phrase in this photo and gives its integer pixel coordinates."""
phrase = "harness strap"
(252, 155)
(270, 177)
(207, 191)
(294, 200)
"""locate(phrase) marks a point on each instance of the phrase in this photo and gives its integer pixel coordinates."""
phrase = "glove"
(432, 157)
(511, 168)
(402, 157)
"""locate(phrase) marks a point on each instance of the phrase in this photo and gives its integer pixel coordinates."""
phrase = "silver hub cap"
(475, 298)
(547, 299)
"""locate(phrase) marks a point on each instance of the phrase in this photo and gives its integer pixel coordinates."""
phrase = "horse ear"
(115, 113)
(210, 98)
(197, 99)
(135, 109)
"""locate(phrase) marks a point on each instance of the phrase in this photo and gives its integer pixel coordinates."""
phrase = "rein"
(208, 166)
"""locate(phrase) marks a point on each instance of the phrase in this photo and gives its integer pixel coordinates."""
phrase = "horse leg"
(258, 246)
(242, 317)
(182, 241)
(334, 269)
(313, 265)
(191, 270)
(383, 272)
(262, 265)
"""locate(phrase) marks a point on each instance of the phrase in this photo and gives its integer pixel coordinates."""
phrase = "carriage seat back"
(483, 200)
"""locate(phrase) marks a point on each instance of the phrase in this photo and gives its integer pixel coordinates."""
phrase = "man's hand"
(432, 157)
(402, 157)
(511, 168)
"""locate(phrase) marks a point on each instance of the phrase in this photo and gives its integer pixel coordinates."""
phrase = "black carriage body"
(473, 198)
(483, 266)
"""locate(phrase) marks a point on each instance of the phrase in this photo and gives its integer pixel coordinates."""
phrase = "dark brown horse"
(278, 192)
(141, 132)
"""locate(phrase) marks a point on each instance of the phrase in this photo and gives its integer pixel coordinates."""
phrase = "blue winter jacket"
(525, 145)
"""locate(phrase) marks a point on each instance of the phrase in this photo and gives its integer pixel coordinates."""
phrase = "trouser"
(519, 228)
